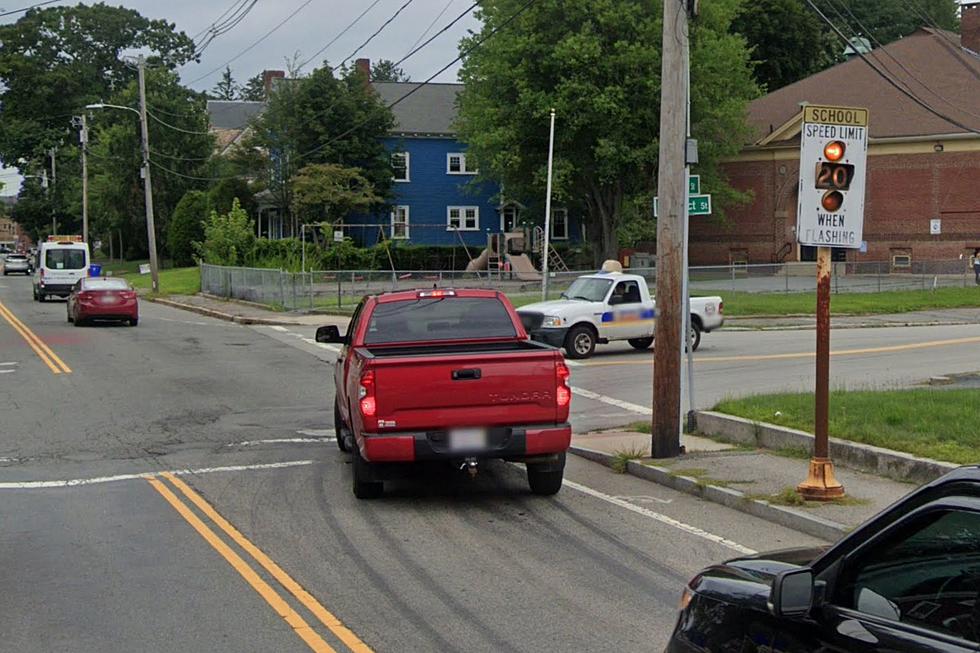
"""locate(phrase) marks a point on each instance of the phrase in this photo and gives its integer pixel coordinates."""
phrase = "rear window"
(447, 318)
(16, 257)
(64, 259)
(106, 284)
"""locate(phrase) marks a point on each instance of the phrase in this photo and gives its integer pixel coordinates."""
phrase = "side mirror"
(330, 333)
(792, 593)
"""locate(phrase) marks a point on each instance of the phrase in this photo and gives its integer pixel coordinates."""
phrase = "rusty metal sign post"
(833, 156)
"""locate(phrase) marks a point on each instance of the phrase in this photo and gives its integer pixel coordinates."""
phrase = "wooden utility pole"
(671, 191)
(151, 235)
(83, 137)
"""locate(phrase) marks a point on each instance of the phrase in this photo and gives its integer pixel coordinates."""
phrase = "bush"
(187, 227)
(229, 238)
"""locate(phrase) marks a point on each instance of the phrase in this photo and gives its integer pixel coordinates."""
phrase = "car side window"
(354, 320)
(927, 576)
(627, 292)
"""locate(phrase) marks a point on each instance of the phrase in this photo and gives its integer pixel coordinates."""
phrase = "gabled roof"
(431, 110)
(938, 70)
(232, 114)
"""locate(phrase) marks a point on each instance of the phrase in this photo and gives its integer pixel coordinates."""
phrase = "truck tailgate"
(476, 389)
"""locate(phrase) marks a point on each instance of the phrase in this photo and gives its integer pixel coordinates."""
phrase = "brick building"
(920, 166)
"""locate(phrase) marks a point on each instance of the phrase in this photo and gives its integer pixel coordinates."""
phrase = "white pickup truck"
(606, 306)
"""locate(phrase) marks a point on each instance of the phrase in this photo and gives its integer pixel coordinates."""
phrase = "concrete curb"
(227, 317)
(799, 521)
(862, 457)
(860, 325)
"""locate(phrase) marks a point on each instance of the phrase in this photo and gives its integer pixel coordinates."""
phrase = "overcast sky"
(315, 25)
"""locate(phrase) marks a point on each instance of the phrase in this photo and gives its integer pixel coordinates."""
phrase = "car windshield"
(589, 289)
(16, 257)
(64, 259)
(448, 318)
(106, 284)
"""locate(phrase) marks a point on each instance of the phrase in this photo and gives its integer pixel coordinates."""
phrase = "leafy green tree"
(226, 88)
(597, 62)
(229, 238)
(331, 192)
(889, 20)
(787, 40)
(187, 226)
(385, 70)
(253, 90)
(224, 192)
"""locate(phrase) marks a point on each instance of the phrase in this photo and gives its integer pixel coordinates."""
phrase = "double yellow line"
(251, 576)
(55, 364)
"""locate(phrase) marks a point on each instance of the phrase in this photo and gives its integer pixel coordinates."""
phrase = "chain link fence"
(343, 289)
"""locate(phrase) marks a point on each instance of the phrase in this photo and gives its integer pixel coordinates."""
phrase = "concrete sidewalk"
(950, 316)
(247, 312)
(755, 481)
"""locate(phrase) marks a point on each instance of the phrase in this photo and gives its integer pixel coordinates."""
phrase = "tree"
(226, 88)
(597, 62)
(228, 238)
(889, 20)
(225, 191)
(187, 226)
(331, 192)
(319, 119)
(253, 90)
(385, 70)
(777, 32)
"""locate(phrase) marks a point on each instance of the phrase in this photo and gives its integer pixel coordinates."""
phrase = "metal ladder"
(555, 261)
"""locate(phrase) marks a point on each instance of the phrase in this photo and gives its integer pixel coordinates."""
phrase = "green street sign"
(694, 185)
(696, 205)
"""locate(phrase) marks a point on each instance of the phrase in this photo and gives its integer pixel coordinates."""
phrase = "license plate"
(467, 440)
(110, 299)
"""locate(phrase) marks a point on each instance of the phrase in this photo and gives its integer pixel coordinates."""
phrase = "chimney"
(364, 66)
(269, 77)
(970, 25)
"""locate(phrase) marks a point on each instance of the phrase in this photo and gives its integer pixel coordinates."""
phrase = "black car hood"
(747, 581)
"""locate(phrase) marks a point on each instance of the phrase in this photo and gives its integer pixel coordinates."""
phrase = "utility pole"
(545, 272)
(151, 236)
(83, 138)
(672, 193)
(54, 180)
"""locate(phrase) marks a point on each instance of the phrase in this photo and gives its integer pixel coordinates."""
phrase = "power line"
(176, 128)
(34, 6)
(342, 32)
(254, 43)
(432, 24)
(378, 31)
(174, 157)
(462, 54)
(888, 79)
(193, 177)
(217, 30)
(204, 31)
(964, 54)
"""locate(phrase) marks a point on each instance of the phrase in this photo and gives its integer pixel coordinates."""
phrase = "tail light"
(721, 307)
(85, 296)
(563, 394)
(128, 294)
(369, 404)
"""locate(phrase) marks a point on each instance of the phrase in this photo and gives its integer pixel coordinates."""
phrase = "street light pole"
(151, 237)
(545, 273)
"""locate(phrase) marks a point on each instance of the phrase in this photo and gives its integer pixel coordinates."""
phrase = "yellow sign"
(850, 116)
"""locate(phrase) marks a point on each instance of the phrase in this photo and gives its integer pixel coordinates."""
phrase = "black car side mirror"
(792, 593)
(330, 333)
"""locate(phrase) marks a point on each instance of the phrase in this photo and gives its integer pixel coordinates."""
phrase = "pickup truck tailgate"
(486, 389)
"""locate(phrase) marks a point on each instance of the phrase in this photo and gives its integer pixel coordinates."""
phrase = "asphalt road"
(255, 543)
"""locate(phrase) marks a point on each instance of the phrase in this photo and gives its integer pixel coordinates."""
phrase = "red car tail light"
(563, 394)
(368, 402)
(128, 294)
(85, 296)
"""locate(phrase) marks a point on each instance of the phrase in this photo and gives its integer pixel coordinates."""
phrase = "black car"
(906, 581)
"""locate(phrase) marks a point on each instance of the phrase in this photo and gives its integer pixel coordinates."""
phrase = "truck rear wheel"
(339, 429)
(580, 342)
(695, 335)
(640, 343)
(364, 485)
(545, 479)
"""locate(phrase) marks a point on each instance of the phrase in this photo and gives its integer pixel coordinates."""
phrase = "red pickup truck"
(429, 375)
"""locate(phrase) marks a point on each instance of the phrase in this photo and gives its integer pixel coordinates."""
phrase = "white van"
(60, 264)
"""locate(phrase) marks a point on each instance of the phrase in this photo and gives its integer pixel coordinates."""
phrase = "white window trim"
(553, 213)
(462, 162)
(462, 218)
(408, 222)
(408, 168)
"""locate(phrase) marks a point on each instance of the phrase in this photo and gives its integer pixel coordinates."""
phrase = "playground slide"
(480, 262)
(522, 267)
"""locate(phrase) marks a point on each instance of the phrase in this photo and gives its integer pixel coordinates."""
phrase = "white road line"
(276, 327)
(30, 485)
(572, 363)
(316, 433)
(7, 371)
(167, 319)
(321, 345)
(10, 364)
(612, 401)
(664, 519)
(251, 443)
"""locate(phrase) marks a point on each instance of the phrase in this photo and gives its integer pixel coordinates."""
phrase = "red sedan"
(94, 298)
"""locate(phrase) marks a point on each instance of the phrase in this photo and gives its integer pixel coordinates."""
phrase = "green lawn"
(895, 301)
(935, 423)
(173, 281)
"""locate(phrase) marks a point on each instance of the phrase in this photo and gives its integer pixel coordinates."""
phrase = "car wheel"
(339, 429)
(41, 297)
(134, 321)
(695, 336)
(545, 478)
(70, 318)
(640, 343)
(79, 322)
(580, 342)
(364, 485)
